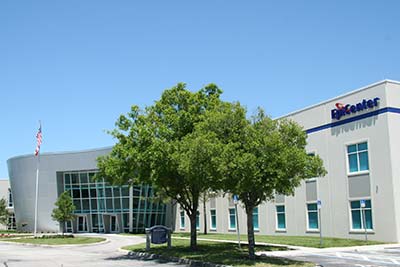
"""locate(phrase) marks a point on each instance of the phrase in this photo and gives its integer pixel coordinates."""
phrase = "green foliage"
(260, 157)
(160, 146)
(64, 209)
(3, 211)
(190, 143)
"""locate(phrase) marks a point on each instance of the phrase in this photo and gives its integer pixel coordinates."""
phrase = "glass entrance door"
(82, 224)
(113, 224)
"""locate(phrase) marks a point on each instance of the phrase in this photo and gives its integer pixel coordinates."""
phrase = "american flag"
(39, 140)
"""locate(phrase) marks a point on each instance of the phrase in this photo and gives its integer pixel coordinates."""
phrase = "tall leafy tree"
(64, 210)
(3, 212)
(261, 157)
(160, 146)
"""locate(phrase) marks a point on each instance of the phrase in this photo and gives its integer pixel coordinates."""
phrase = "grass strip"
(303, 241)
(219, 253)
(58, 241)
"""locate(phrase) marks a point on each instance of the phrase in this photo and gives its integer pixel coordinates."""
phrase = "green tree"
(261, 157)
(64, 210)
(160, 146)
(3, 212)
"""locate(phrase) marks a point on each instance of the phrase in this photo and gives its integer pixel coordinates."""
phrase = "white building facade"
(5, 193)
(358, 137)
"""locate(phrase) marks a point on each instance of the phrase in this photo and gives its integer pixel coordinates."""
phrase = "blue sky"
(77, 65)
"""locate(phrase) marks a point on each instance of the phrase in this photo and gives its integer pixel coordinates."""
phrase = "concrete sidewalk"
(298, 250)
(304, 251)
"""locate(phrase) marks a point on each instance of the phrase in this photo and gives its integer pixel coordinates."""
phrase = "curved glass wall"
(96, 201)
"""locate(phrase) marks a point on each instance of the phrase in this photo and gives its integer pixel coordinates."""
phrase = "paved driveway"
(368, 256)
(100, 255)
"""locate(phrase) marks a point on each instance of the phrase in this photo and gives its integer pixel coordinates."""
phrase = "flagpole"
(37, 192)
(39, 140)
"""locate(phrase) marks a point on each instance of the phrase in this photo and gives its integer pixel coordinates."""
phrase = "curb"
(148, 256)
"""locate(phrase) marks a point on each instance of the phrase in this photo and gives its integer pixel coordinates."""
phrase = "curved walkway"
(99, 255)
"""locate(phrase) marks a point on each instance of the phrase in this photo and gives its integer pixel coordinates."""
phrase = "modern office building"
(100, 207)
(358, 137)
(5, 193)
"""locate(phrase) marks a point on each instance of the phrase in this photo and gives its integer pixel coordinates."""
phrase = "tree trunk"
(193, 231)
(63, 229)
(205, 215)
(250, 232)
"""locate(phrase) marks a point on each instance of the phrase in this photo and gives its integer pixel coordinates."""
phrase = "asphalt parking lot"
(382, 257)
(97, 255)
(107, 255)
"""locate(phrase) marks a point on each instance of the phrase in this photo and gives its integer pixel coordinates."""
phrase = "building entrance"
(82, 224)
(114, 224)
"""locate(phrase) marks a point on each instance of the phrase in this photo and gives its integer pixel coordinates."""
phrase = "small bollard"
(169, 239)
(147, 240)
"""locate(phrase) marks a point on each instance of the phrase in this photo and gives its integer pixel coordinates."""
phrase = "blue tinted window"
(362, 146)
(352, 148)
(280, 214)
(353, 163)
(358, 157)
(255, 218)
(213, 219)
(182, 219)
(312, 216)
(364, 161)
(356, 218)
(312, 206)
(358, 213)
(232, 219)
(67, 179)
(355, 204)
(281, 221)
(313, 220)
(368, 219)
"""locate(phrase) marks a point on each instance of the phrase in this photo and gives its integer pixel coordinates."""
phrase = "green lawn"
(57, 241)
(220, 253)
(304, 241)
(130, 234)
(7, 231)
(8, 236)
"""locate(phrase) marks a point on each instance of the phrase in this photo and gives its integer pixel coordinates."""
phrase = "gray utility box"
(158, 234)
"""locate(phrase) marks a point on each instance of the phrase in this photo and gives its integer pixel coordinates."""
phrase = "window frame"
(229, 221)
(312, 230)
(211, 222)
(362, 229)
(258, 219)
(180, 220)
(357, 142)
(276, 217)
(10, 202)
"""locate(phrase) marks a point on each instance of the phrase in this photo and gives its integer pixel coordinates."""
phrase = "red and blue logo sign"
(343, 110)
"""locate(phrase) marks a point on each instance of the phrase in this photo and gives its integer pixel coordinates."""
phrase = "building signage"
(343, 110)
